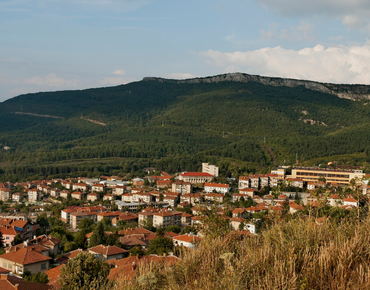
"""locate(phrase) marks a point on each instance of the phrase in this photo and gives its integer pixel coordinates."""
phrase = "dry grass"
(292, 255)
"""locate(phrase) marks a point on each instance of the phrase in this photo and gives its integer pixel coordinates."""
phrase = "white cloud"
(51, 80)
(343, 64)
(120, 72)
(353, 13)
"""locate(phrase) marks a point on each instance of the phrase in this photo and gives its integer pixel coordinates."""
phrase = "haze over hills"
(234, 117)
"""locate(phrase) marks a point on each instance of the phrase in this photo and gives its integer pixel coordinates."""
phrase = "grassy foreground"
(298, 254)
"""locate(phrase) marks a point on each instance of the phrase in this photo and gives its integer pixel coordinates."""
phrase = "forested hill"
(177, 124)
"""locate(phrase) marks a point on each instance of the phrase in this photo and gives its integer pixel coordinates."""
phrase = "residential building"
(107, 252)
(92, 197)
(28, 258)
(118, 190)
(80, 186)
(76, 217)
(5, 194)
(350, 201)
(339, 176)
(214, 197)
(78, 195)
(8, 282)
(164, 183)
(211, 169)
(254, 181)
(98, 187)
(138, 182)
(294, 207)
(191, 198)
(188, 240)
(196, 177)
(109, 214)
(108, 197)
(280, 172)
(243, 182)
(218, 187)
(17, 197)
(52, 243)
(142, 197)
(182, 187)
(247, 191)
(167, 218)
(64, 193)
(34, 195)
(54, 192)
(274, 180)
(295, 182)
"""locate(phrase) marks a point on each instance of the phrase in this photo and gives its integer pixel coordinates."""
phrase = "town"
(44, 224)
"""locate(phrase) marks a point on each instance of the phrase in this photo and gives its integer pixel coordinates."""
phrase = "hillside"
(176, 124)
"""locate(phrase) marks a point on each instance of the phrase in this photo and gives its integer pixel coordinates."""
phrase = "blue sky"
(48, 45)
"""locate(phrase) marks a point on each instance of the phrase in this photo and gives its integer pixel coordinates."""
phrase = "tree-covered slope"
(160, 119)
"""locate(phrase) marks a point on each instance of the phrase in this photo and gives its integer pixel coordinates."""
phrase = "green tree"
(137, 251)
(84, 272)
(98, 236)
(40, 277)
(85, 224)
(17, 240)
(175, 228)
(160, 245)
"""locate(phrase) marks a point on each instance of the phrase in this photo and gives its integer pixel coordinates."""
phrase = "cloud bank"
(343, 64)
(353, 13)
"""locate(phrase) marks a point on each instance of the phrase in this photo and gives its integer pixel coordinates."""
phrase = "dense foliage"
(175, 127)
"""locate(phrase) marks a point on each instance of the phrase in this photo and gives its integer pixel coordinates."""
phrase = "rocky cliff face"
(351, 92)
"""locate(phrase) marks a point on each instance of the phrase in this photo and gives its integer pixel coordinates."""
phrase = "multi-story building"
(195, 177)
(34, 195)
(339, 176)
(78, 195)
(76, 217)
(54, 192)
(167, 218)
(92, 197)
(211, 169)
(163, 183)
(254, 181)
(218, 187)
(214, 197)
(98, 187)
(181, 187)
(274, 180)
(264, 180)
(243, 182)
(80, 186)
(5, 194)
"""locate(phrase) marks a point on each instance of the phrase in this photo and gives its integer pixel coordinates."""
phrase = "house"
(50, 242)
(294, 207)
(17, 197)
(118, 190)
(235, 223)
(23, 258)
(67, 184)
(138, 182)
(25, 229)
(171, 200)
(78, 195)
(214, 197)
(109, 214)
(64, 193)
(8, 234)
(247, 191)
(182, 187)
(92, 197)
(126, 216)
(195, 177)
(5, 194)
(34, 195)
(185, 219)
(311, 185)
(188, 240)
(80, 186)
(54, 192)
(218, 187)
(108, 197)
(350, 201)
(8, 282)
(239, 212)
(98, 188)
(54, 276)
(108, 252)
(191, 198)
(142, 197)
(295, 182)
(164, 183)
(334, 200)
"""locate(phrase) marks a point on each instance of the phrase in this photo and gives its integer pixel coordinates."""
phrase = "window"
(43, 266)
(7, 238)
(4, 264)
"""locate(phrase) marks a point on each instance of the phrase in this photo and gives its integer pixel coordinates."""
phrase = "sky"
(50, 45)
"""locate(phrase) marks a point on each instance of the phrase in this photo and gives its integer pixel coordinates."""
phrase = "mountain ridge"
(344, 91)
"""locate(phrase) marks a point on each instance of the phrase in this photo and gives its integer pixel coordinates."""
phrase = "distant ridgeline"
(248, 121)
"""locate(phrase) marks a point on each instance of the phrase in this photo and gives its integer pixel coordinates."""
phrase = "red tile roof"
(8, 282)
(196, 174)
(25, 256)
(217, 185)
(107, 250)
